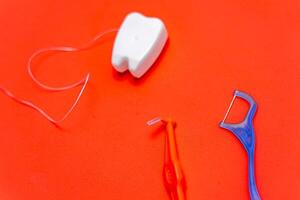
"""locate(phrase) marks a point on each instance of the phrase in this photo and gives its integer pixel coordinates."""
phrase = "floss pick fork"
(244, 131)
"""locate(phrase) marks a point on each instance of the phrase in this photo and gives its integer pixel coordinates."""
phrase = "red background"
(104, 149)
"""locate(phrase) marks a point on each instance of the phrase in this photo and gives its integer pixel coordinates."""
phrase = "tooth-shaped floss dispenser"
(138, 44)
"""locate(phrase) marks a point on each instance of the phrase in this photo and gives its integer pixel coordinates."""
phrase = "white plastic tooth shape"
(138, 44)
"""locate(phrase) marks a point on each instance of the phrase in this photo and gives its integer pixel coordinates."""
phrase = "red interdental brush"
(172, 172)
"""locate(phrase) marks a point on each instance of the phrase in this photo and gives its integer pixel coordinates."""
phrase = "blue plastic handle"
(244, 131)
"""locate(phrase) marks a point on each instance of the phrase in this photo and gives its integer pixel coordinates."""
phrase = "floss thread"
(83, 82)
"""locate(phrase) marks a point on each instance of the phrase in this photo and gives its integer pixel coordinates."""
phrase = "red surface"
(105, 150)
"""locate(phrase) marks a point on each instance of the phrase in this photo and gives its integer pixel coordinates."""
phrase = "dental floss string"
(82, 82)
